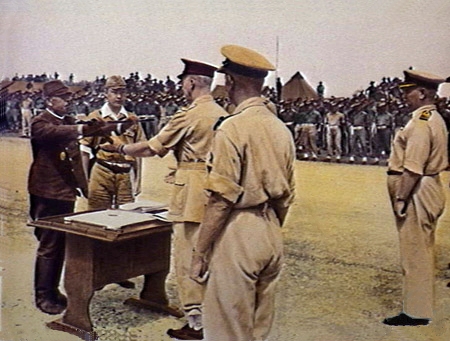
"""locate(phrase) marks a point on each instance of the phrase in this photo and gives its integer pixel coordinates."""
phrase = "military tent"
(298, 88)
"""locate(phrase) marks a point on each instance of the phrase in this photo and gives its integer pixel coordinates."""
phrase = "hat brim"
(407, 85)
(64, 94)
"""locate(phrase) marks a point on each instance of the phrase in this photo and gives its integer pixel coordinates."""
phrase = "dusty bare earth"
(340, 280)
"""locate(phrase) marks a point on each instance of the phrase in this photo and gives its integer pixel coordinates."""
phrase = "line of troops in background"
(359, 128)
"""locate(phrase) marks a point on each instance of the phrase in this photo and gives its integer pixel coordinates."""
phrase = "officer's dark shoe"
(127, 284)
(49, 305)
(186, 333)
(405, 320)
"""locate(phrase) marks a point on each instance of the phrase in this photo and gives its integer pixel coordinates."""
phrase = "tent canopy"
(298, 88)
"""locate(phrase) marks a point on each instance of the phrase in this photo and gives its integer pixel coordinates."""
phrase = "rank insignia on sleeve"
(425, 115)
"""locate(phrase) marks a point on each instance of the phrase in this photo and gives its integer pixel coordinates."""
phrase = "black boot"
(405, 320)
(46, 280)
(186, 333)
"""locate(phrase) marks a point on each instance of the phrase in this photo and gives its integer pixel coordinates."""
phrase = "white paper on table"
(142, 206)
(111, 219)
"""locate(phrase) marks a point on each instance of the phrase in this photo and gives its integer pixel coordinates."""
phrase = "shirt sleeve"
(43, 131)
(417, 148)
(172, 133)
(225, 169)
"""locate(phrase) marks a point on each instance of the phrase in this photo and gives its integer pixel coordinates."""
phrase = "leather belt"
(393, 172)
(115, 167)
(193, 165)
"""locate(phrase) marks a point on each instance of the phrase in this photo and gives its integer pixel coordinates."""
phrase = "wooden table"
(96, 257)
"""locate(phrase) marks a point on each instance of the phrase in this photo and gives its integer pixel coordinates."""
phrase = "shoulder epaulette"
(425, 115)
(220, 121)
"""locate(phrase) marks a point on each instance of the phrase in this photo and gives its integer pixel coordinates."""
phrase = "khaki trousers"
(104, 184)
(185, 239)
(334, 140)
(245, 265)
(417, 237)
(308, 138)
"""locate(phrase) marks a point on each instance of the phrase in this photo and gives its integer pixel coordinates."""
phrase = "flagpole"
(276, 58)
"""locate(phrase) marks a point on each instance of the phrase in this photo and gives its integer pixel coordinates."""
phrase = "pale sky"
(345, 44)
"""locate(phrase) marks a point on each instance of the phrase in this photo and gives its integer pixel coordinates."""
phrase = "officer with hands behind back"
(418, 155)
(251, 186)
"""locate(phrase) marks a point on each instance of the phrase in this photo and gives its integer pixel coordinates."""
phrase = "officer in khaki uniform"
(114, 179)
(419, 154)
(251, 186)
(189, 135)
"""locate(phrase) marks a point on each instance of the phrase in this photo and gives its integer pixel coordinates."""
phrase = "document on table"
(146, 206)
(111, 219)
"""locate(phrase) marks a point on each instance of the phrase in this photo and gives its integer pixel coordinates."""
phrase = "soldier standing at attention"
(189, 134)
(334, 121)
(360, 124)
(383, 122)
(419, 154)
(27, 113)
(320, 89)
(56, 177)
(312, 120)
(251, 186)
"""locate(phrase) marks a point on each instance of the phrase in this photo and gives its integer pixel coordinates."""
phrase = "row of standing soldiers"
(358, 128)
(155, 110)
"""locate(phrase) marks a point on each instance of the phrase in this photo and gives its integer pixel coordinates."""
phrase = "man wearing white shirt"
(114, 178)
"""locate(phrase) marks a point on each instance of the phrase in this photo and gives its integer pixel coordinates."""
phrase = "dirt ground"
(341, 275)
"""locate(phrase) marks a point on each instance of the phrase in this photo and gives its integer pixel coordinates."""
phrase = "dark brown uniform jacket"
(56, 170)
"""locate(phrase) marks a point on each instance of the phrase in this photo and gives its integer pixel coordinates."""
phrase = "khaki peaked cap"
(244, 62)
(115, 82)
(414, 78)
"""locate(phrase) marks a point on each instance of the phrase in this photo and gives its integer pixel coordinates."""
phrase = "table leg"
(78, 282)
(153, 295)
